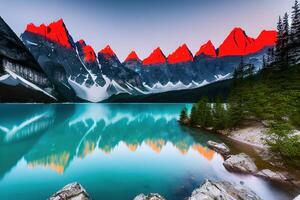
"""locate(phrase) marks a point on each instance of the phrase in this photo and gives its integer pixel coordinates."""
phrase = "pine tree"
(279, 47)
(249, 72)
(239, 71)
(219, 115)
(295, 34)
(184, 116)
(194, 115)
(295, 27)
(264, 64)
(286, 39)
(204, 113)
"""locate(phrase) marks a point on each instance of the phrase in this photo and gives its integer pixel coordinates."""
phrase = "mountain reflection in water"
(115, 150)
(79, 130)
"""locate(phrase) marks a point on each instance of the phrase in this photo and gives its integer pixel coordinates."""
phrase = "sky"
(143, 25)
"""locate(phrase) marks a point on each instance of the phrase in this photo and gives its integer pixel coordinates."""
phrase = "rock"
(297, 197)
(219, 147)
(73, 191)
(240, 163)
(273, 176)
(151, 196)
(222, 190)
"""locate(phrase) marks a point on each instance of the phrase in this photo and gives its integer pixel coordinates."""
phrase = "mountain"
(65, 70)
(157, 57)
(123, 79)
(239, 44)
(76, 75)
(207, 49)
(220, 89)
(155, 69)
(265, 39)
(181, 55)
(89, 59)
(235, 44)
(132, 57)
(21, 78)
(133, 62)
(180, 65)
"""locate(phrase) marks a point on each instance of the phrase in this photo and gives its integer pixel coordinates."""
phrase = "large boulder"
(219, 147)
(273, 176)
(240, 163)
(223, 190)
(150, 196)
(297, 197)
(73, 191)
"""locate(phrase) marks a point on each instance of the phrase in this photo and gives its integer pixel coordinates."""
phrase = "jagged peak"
(180, 55)
(55, 32)
(268, 35)
(207, 49)
(156, 57)
(107, 51)
(82, 42)
(132, 57)
(88, 51)
(235, 43)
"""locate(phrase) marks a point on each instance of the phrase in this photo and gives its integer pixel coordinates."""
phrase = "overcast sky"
(142, 25)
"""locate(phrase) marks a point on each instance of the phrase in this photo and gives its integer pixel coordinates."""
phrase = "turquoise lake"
(116, 151)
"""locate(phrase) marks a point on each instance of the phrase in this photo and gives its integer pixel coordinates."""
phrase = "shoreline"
(240, 141)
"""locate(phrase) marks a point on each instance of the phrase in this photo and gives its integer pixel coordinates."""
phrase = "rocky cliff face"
(19, 69)
(124, 79)
(72, 67)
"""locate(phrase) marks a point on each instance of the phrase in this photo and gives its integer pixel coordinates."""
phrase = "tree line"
(271, 94)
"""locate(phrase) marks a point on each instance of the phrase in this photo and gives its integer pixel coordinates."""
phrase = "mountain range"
(46, 61)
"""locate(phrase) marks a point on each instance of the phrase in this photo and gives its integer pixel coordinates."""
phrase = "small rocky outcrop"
(73, 191)
(219, 147)
(240, 163)
(222, 190)
(273, 176)
(151, 196)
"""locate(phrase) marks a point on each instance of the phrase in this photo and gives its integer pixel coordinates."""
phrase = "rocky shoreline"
(209, 190)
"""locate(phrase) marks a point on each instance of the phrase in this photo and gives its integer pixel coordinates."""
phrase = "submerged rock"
(222, 190)
(73, 191)
(273, 176)
(219, 147)
(240, 163)
(150, 196)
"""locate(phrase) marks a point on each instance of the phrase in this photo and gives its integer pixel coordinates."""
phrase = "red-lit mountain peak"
(235, 43)
(88, 51)
(107, 51)
(156, 57)
(180, 55)
(82, 42)
(207, 49)
(266, 38)
(132, 57)
(56, 32)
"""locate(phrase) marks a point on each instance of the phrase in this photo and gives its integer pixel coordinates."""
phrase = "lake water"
(116, 151)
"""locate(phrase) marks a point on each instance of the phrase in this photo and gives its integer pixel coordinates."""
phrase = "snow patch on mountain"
(94, 94)
(158, 87)
(222, 77)
(119, 88)
(4, 77)
(136, 89)
(27, 83)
